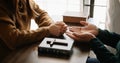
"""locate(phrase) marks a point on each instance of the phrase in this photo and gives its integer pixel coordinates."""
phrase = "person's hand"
(88, 27)
(81, 36)
(57, 29)
(83, 33)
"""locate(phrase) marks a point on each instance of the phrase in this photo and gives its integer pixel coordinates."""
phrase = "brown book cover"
(74, 17)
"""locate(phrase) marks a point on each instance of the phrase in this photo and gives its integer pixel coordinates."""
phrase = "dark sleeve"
(108, 38)
(101, 52)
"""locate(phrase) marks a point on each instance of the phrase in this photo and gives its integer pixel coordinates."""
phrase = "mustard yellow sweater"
(15, 20)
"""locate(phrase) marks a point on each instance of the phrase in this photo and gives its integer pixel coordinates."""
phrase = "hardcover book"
(56, 47)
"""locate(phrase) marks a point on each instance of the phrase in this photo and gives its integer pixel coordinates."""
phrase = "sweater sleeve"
(41, 16)
(13, 37)
(101, 52)
(108, 38)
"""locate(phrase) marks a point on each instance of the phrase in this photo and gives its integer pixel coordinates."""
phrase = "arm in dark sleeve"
(101, 52)
(108, 38)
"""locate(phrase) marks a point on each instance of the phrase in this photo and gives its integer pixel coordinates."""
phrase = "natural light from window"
(56, 9)
(100, 13)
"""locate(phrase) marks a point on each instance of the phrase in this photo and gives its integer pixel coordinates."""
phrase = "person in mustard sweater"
(15, 20)
(97, 38)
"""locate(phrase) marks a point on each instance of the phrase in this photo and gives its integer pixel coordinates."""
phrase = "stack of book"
(74, 17)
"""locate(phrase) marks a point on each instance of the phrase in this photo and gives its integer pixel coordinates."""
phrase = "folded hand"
(57, 28)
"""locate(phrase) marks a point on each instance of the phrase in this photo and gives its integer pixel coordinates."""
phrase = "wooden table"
(79, 55)
(29, 54)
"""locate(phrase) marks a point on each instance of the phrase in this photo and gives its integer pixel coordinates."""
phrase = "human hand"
(83, 33)
(57, 29)
(88, 27)
(81, 37)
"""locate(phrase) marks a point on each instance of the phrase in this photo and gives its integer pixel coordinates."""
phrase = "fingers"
(80, 36)
(75, 29)
(83, 23)
(71, 29)
(61, 27)
(70, 34)
(76, 34)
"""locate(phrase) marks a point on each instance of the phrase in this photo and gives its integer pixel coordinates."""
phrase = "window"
(56, 8)
(97, 11)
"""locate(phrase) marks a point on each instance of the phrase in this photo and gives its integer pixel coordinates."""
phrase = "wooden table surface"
(30, 55)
